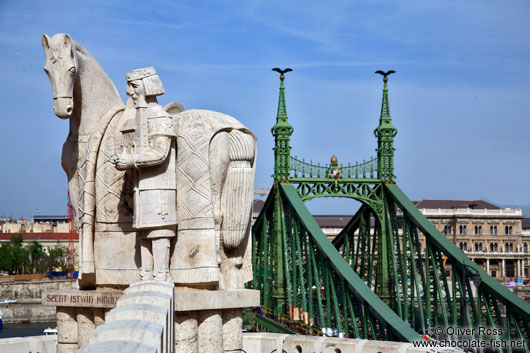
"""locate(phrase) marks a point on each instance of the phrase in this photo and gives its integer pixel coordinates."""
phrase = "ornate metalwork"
(385, 134)
(282, 132)
(303, 169)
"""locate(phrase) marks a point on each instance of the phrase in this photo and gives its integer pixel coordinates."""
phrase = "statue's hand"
(121, 162)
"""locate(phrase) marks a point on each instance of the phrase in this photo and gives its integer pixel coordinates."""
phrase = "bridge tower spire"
(282, 132)
(385, 134)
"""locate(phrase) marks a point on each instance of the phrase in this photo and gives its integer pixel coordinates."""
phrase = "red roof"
(449, 204)
(257, 205)
(332, 221)
(39, 236)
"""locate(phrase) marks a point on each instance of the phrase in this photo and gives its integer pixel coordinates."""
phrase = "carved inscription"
(93, 299)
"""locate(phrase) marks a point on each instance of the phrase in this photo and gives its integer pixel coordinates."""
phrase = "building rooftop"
(449, 204)
(50, 218)
(38, 236)
(257, 206)
(328, 221)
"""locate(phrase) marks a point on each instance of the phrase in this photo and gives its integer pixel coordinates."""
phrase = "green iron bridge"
(388, 275)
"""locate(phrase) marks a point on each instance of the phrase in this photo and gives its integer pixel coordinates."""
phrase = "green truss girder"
(493, 287)
(352, 225)
(344, 296)
(355, 284)
(270, 325)
(422, 294)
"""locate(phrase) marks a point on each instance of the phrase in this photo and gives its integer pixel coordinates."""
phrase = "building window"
(525, 247)
(461, 245)
(511, 247)
(495, 247)
(447, 229)
(508, 229)
(493, 230)
(478, 230)
(506, 247)
(465, 246)
(480, 247)
(491, 246)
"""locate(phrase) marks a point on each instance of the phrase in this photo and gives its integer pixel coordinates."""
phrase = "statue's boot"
(161, 258)
(147, 260)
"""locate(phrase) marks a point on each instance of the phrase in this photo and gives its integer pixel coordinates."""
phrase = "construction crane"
(261, 191)
(71, 235)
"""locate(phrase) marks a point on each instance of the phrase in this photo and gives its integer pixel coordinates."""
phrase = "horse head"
(61, 66)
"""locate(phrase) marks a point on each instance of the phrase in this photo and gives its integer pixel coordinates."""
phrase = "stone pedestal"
(210, 321)
(205, 321)
(78, 314)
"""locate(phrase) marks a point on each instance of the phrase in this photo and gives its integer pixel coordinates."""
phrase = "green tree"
(15, 258)
(56, 259)
(36, 255)
(6, 257)
(20, 257)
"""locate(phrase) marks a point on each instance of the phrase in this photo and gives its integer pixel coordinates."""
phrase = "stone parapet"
(262, 342)
(44, 344)
(191, 300)
(18, 313)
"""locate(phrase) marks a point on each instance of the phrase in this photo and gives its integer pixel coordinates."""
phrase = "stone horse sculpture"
(101, 195)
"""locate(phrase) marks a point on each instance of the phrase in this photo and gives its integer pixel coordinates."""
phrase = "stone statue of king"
(149, 152)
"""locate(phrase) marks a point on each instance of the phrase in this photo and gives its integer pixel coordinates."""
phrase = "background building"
(50, 231)
(492, 236)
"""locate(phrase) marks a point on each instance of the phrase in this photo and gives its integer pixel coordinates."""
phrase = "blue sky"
(459, 98)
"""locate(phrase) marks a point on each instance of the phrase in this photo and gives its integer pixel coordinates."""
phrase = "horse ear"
(45, 42)
(67, 41)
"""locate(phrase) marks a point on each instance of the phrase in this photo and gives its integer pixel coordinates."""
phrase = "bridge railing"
(302, 169)
(301, 274)
(430, 282)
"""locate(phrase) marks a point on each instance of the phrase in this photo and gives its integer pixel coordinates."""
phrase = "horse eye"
(72, 70)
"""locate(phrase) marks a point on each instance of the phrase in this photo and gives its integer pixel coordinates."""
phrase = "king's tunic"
(155, 191)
